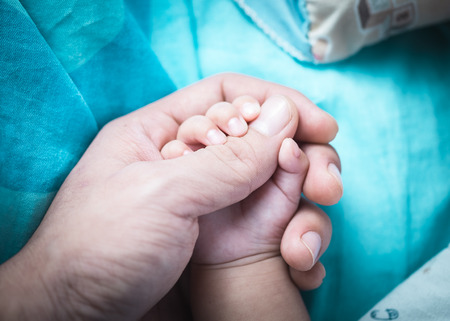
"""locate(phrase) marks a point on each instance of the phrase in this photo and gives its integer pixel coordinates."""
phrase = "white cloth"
(423, 296)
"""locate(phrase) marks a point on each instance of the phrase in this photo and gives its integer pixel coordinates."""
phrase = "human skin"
(237, 270)
(124, 224)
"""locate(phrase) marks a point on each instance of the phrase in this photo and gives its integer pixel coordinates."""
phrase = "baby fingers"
(228, 118)
(200, 130)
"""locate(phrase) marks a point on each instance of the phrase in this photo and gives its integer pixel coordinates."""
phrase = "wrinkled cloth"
(323, 31)
(422, 297)
(58, 88)
(391, 102)
(66, 69)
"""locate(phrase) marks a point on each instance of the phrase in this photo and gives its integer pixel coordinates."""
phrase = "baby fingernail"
(237, 126)
(275, 115)
(313, 243)
(216, 137)
(334, 171)
(250, 109)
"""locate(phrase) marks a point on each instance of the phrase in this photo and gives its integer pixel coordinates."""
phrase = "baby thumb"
(221, 175)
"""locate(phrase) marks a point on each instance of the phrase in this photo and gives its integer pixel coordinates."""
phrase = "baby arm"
(237, 272)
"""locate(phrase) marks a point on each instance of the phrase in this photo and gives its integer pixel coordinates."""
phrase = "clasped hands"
(125, 223)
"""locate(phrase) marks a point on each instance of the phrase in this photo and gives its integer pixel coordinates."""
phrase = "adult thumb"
(220, 175)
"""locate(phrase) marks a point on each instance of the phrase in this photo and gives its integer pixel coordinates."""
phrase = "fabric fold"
(285, 22)
(324, 31)
(66, 69)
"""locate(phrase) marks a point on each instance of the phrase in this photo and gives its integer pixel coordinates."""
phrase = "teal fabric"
(66, 69)
(392, 104)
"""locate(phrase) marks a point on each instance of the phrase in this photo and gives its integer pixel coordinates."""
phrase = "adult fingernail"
(313, 243)
(334, 171)
(275, 115)
(296, 151)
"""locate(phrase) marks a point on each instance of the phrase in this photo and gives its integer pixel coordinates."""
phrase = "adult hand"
(123, 225)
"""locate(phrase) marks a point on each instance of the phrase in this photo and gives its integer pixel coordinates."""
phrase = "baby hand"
(252, 229)
(220, 120)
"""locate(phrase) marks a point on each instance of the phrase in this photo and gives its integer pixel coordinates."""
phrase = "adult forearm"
(26, 293)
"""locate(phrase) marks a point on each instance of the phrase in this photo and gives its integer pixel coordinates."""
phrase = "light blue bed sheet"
(392, 105)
